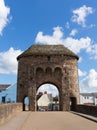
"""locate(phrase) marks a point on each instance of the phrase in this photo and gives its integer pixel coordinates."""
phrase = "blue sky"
(69, 22)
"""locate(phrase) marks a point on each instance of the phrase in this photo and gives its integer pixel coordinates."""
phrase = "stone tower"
(53, 64)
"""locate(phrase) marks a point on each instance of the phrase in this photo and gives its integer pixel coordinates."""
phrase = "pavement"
(50, 121)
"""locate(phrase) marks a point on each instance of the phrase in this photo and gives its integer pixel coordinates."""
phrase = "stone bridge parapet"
(90, 110)
(9, 110)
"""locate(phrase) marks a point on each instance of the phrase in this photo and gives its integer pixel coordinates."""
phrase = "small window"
(85, 97)
(49, 58)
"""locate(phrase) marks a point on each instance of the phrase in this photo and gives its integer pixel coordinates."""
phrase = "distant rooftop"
(4, 86)
(89, 94)
(37, 49)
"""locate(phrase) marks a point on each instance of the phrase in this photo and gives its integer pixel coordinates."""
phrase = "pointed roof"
(44, 100)
(38, 49)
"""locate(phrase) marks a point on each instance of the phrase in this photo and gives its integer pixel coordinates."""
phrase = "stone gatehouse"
(54, 64)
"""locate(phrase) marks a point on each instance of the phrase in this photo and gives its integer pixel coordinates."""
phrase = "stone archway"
(54, 64)
(48, 97)
(26, 103)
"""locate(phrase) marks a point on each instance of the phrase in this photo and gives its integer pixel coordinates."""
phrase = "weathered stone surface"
(9, 110)
(42, 64)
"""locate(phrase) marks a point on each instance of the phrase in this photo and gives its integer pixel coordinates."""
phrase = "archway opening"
(26, 104)
(47, 98)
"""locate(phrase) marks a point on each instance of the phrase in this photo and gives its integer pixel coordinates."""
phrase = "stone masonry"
(7, 111)
(53, 64)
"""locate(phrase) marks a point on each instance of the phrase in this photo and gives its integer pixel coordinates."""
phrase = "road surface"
(49, 121)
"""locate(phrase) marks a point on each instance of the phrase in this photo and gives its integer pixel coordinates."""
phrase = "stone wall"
(9, 110)
(90, 110)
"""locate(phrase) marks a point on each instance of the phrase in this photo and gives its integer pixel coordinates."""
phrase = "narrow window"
(49, 58)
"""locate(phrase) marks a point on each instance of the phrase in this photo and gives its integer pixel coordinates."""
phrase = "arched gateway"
(53, 64)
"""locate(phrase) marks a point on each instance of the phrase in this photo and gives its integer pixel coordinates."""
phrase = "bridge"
(39, 65)
(49, 121)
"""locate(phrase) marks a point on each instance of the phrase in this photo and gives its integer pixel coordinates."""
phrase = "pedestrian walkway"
(49, 121)
(57, 121)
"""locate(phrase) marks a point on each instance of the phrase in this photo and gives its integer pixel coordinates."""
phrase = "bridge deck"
(48, 121)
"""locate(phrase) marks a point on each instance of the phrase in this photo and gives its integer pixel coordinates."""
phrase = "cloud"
(93, 51)
(46, 39)
(80, 59)
(89, 83)
(80, 14)
(51, 89)
(80, 73)
(73, 32)
(76, 45)
(8, 62)
(4, 13)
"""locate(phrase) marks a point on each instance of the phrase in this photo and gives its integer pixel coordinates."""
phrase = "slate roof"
(38, 49)
(88, 94)
(4, 86)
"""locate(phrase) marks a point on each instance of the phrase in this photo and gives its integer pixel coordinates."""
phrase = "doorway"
(73, 103)
(26, 104)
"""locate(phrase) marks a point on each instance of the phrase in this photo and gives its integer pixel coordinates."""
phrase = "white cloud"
(76, 45)
(73, 32)
(57, 34)
(4, 13)
(80, 59)
(93, 51)
(89, 83)
(51, 89)
(80, 73)
(8, 62)
(80, 14)
(46, 39)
